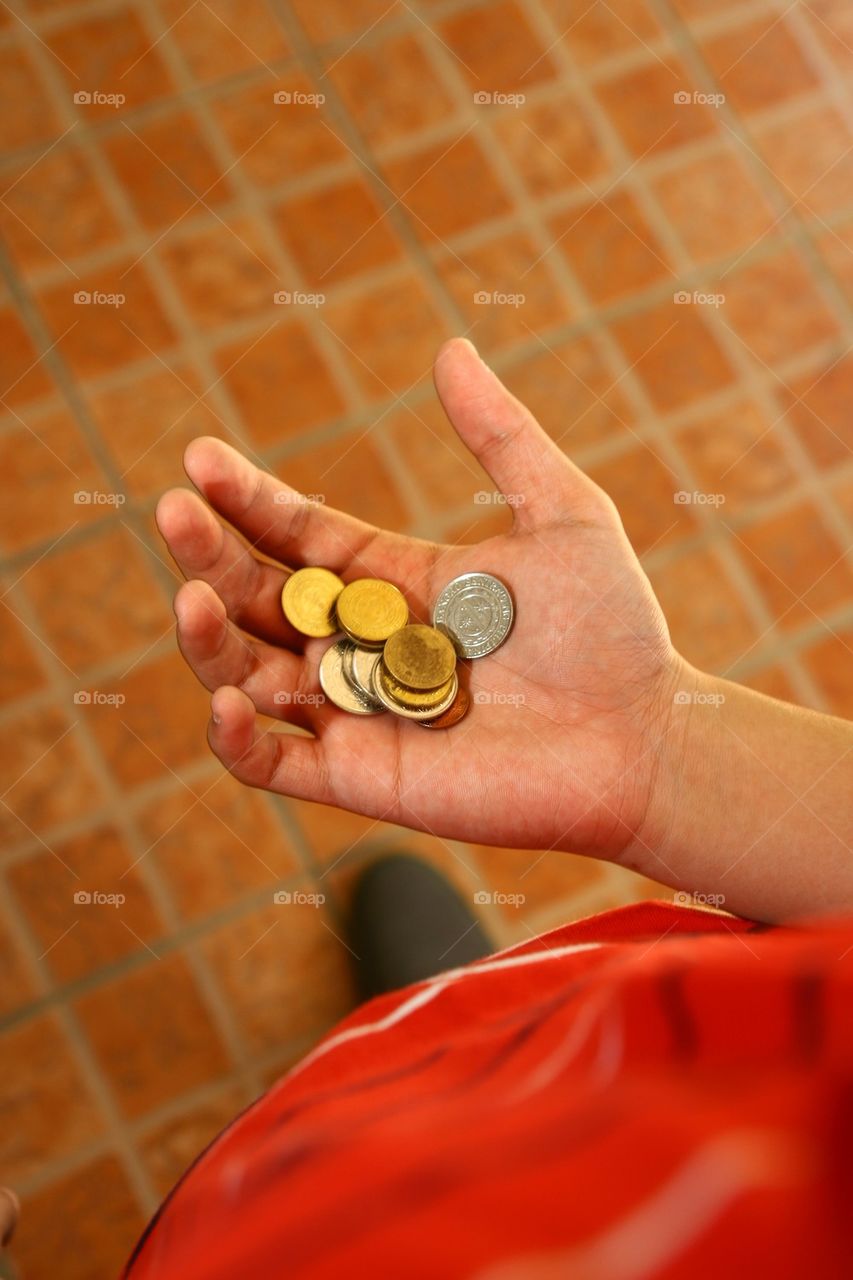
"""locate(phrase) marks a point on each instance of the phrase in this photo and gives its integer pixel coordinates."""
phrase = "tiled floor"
(130, 1035)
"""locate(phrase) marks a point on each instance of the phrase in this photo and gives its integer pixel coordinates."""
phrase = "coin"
(419, 656)
(416, 699)
(410, 713)
(370, 610)
(308, 600)
(454, 712)
(338, 689)
(363, 663)
(475, 611)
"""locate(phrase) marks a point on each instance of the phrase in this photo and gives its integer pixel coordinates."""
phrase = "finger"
(275, 761)
(202, 548)
(522, 459)
(10, 1210)
(282, 523)
(217, 653)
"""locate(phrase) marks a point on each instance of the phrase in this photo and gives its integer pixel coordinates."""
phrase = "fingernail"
(215, 718)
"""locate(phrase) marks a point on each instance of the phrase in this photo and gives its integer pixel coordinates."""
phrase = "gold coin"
(308, 600)
(337, 687)
(417, 699)
(370, 610)
(411, 713)
(453, 714)
(420, 657)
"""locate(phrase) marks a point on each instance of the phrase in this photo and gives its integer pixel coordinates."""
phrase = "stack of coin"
(384, 663)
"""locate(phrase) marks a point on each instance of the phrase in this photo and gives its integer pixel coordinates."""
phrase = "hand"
(559, 746)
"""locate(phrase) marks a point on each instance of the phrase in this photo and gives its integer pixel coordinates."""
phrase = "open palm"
(559, 746)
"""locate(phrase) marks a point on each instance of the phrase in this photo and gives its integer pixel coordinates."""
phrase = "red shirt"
(658, 1091)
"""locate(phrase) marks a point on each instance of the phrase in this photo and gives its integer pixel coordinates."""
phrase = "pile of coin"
(386, 663)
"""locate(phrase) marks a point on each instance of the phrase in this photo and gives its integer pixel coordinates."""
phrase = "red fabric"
(670, 1099)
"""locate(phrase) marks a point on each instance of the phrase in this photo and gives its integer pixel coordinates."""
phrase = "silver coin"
(475, 612)
(362, 665)
(338, 689)
(408, 713)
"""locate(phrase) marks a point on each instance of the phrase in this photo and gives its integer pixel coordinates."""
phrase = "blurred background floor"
(652, 242)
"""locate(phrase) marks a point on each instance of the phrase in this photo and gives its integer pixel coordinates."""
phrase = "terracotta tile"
(337, 232)
(274, 140)
(611, 247)
(170, 1148)
(280, 381)
(641, 105)
(389, 334)
(836, 248)
(707, 619)
(213, 848)
(54, 210)
(44, 777)
(541, 878)
(842, 491)
(818, 404)
(571, 392)
(224, 272)
(23, 374)
(166, 168)
(338, 471)
(42, 1088)
(505, 289)
(27, 115)
(674, 353)
(597, 31)
(759, 64)
(735, 452)
(111, 53)
(17, 980)
(701, 8)
(284, 971)
(447, 474)
(79, 937)
(830, 665)
(406, 95)
(335, 19)
(152, 1049)
(97, 337)
(553, 145)
(45, 462)
(334, 833)
(643, 488)
(797, 564)
(223, 37)
(714, 205)
(93, 1212)
(20, 672)
(98, 600)
(832, 23)
(810, 159)
(776, 309)
(447, 188)
(160, 412)
(496, 48)
(772, 681)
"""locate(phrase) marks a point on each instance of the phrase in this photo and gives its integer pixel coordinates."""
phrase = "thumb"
(522, 459)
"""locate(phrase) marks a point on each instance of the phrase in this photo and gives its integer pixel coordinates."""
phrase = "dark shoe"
(408, 923)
